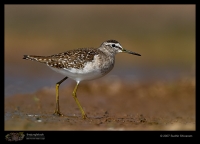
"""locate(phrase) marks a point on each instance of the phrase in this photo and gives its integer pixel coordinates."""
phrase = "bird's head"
(114, 46)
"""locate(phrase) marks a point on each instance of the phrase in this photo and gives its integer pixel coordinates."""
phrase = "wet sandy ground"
(114, 105)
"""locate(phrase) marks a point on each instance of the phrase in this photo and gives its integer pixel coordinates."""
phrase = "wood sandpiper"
(82, 64)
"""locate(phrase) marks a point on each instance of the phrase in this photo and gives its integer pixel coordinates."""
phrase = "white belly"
(79, 75)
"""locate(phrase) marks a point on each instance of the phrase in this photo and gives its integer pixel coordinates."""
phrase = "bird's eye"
(113, 45)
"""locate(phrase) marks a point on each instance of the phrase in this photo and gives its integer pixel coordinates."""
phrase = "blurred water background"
(163, 34)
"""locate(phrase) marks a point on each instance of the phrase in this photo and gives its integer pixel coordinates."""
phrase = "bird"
(82, 64)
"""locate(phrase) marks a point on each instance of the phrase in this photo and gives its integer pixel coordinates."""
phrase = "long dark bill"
(130, 52)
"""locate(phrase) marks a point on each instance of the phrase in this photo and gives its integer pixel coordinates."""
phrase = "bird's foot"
(58, 113)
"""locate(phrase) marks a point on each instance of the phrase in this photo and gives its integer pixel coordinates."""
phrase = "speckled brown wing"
(73, 58)
(69, 59)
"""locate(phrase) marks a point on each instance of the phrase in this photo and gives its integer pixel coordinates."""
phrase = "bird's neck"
(107, 52)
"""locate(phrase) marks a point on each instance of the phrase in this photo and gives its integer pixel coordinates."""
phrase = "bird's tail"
(42, 59)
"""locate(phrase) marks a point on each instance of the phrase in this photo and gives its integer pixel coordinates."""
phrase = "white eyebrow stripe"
(116, 44)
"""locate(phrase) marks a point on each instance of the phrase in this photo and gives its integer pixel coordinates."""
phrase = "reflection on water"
(22, 84)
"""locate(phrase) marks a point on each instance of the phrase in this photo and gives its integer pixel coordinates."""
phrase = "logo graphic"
(15, 136)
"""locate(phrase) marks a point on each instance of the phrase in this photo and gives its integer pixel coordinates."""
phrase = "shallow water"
(26, 84)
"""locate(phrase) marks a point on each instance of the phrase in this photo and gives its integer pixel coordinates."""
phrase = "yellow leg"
(57, 110)
(77, 102)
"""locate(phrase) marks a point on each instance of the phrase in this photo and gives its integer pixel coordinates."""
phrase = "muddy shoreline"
(120, 106)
